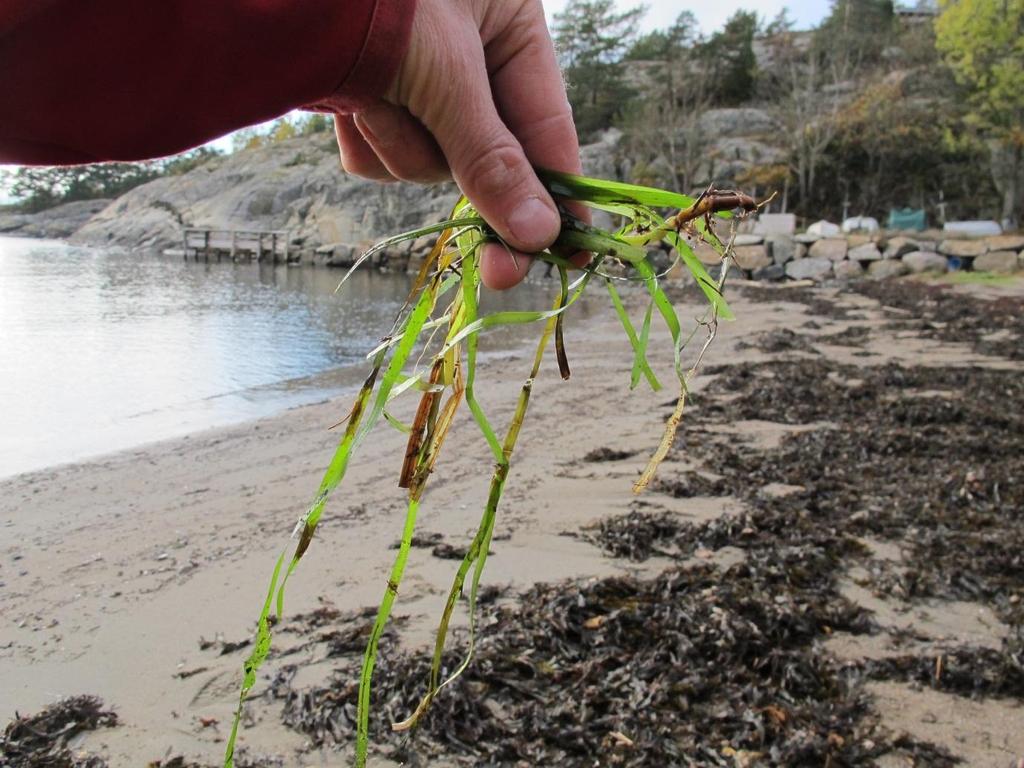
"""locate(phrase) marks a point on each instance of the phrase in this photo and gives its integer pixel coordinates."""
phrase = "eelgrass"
(446, 371)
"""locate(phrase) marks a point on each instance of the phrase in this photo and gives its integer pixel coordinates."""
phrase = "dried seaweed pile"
(713, 666)
(432, 350)
(694, 665)
(41, 740)
(995, 329)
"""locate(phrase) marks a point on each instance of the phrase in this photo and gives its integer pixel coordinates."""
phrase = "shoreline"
(172, 541)
(134, 576)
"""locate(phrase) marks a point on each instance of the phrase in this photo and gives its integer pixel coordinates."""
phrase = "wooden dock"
(237, 244)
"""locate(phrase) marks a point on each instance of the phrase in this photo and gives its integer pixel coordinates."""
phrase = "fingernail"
(533, 224)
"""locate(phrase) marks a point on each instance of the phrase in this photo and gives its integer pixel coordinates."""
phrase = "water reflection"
(102, 350)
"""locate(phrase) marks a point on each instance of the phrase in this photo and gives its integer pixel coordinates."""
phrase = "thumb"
(485, 158)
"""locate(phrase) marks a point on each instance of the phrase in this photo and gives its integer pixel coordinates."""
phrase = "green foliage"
(983, 43)
(444, 373)
(893, 148)
(592, 38)
(855, 33)
(187, 161)
(41, 187)
(313, 123)
(669, 44)
(734, 65)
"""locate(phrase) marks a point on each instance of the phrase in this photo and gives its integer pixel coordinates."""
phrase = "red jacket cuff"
(383, 50)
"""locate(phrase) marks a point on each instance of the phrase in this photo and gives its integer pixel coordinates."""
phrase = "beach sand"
(113, 572)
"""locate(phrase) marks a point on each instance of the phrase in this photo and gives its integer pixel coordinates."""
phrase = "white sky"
(712, 15)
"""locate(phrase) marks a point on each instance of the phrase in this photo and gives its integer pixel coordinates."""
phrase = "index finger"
(529, 92)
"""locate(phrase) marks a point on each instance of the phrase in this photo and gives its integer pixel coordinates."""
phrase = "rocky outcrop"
(58, 222)
(295, 185)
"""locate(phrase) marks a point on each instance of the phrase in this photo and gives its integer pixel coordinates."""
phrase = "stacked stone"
(879, 256)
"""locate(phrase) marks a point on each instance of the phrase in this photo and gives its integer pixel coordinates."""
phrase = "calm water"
(101, 350)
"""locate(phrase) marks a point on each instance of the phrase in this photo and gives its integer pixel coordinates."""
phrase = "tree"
(855, 33)
(983, 43)
(895, 147)
(662, 125)
(43, 187)
(731, 53)
(592, 37)
(186, 161)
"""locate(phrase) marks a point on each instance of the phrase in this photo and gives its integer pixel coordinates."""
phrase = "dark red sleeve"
(91, 80)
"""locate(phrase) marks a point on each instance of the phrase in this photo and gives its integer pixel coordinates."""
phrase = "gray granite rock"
(772, 273)
(751, 256)
(848, 270)
(925, 261)
(832, 248)
(963, 249)
(748, 240)
(865, 252)
(783, 248)
(882, 270)
(898, 246)
(1005, 243)
(811, 268)
(1001, 262)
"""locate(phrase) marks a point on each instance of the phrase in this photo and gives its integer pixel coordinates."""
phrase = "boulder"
(832, 248)
(853, 240)
(860, 224)
(824, 229)
(771, 273)
(800, 252)
(925, 261)
(866, 252)
(748, 240)
(881, 270)
(775, 224)
(848, 270)
(707, 255)
(742, 121)
(962, 249)
(1001, 262)
(422, 245)
(1005, 243)
(751, 256)
(809, 269)
(783, 248)
(338, 254)
(807, 238)
(898, 246)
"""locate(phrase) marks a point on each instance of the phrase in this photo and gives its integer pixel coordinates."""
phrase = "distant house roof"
(921, 9)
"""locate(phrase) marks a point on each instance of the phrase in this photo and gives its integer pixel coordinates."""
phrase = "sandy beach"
(130, 576)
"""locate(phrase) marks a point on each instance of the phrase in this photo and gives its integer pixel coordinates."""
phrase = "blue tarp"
(907, 218)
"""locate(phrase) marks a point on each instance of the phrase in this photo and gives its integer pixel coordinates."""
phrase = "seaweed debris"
(717, 665)
(991, 326)
(41, 740)
(693, 665)
(779, 340)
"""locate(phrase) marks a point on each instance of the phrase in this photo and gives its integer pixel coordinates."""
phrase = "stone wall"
(880, 255)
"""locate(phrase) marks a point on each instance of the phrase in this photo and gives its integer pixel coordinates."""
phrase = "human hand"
(478, 97)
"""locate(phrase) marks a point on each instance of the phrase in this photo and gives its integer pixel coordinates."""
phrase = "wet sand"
(125, 576)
